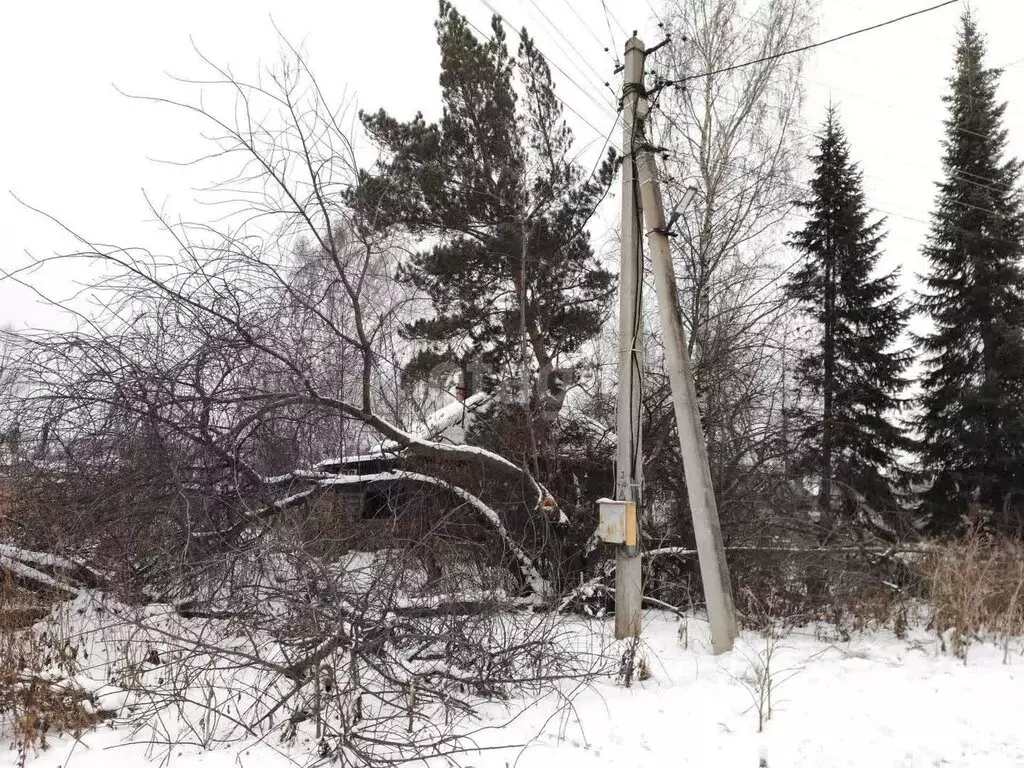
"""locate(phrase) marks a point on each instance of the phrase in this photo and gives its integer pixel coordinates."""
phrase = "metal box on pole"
(616, 522)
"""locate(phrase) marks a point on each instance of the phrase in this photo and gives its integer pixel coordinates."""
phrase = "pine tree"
(853, 370)
(512, 276)
(972, 407)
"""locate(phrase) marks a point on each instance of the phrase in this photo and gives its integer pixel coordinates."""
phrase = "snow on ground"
(868, 702)
(874, 701)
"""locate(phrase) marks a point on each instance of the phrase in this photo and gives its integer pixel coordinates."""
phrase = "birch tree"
(728, 130)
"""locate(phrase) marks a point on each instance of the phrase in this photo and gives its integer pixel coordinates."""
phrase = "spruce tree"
(972, 406)
(494, 187)
(853, 368)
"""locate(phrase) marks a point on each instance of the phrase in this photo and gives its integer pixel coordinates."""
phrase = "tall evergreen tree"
(972, 407)
(511, 274)
(853, 369)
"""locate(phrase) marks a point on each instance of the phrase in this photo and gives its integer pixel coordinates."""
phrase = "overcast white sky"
(71, 144)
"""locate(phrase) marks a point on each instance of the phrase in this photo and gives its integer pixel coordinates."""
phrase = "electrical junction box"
(616, 522)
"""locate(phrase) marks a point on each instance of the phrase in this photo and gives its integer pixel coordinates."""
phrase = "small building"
(381, 497)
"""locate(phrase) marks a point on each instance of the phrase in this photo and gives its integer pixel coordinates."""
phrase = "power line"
(889, 105)
(618, 23)
(886, 212)
(859, 9)
(736, 164)
(603, 83)
(812, 46)
(959, 230)
(654, 13)
(586, 26)
(585, 91)
(561, 101)
(593, 174)
(809, 132)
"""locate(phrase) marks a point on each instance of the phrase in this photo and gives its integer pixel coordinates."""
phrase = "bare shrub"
(763, 675)
(760, 679)
(849, 589)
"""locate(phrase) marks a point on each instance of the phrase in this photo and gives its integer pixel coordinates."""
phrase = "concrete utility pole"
(628, 454)
(714, 570)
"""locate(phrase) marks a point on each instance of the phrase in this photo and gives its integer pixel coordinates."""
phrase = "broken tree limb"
(538, 583)
(412, 444)
(44, 570)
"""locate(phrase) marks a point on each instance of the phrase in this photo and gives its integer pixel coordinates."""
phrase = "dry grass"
(976, 591)
(842, 592)
(33, 702)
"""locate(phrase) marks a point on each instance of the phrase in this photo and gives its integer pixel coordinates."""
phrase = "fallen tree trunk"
(44, 571)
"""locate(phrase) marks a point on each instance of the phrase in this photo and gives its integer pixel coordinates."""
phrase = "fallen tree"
(44, 571)
(187, 416)
(205, 382)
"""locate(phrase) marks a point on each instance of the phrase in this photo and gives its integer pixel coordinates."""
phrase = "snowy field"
(868, 701)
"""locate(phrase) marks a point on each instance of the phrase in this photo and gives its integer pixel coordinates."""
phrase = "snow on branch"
(45, 559)
(47, 569)
(417, 445)
(538, 583)
(24, 572)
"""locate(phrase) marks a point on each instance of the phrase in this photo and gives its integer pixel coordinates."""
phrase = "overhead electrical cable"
(561, 101)
(812, 46)
(585, 91)
(618, 23)
(602, 83)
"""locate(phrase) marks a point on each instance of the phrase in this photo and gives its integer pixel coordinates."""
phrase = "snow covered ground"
(871, 701)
